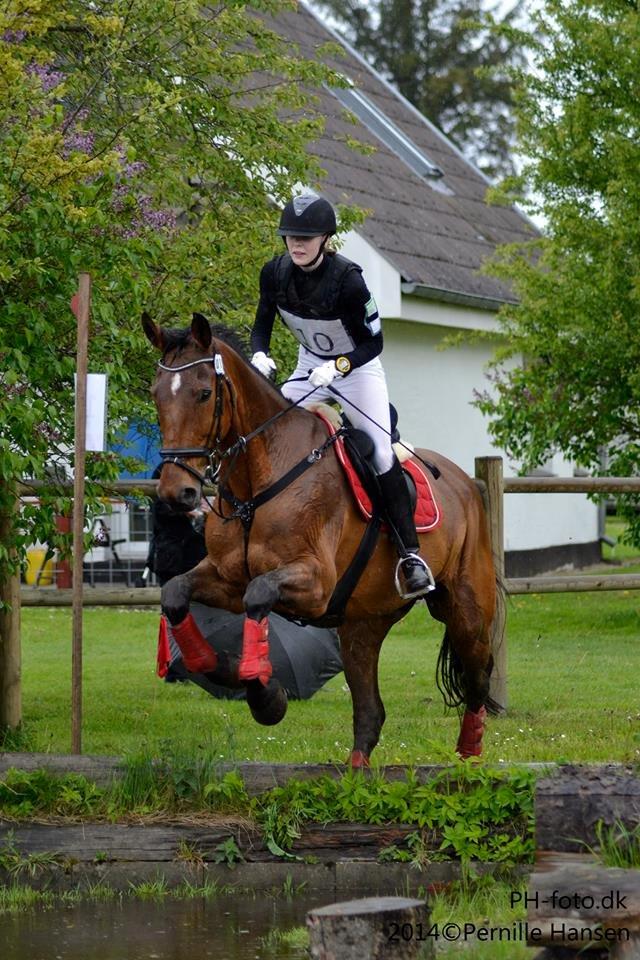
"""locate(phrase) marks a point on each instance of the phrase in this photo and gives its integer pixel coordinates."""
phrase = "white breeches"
(366, 386)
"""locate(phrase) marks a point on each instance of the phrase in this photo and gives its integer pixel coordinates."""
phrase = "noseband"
(211, 453)
(242, 510)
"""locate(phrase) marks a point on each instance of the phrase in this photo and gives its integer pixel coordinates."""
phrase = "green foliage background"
(148, 142)
(576, 324)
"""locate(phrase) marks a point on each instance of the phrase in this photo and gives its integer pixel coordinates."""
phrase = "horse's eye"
(204, 396)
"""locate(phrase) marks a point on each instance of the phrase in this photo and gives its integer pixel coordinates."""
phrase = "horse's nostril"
(188, 496)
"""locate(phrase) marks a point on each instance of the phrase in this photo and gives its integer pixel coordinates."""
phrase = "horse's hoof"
(471, 732)
(359, 760)
(268, 704)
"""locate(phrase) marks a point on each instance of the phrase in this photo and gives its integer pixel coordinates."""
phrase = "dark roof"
(435, 241)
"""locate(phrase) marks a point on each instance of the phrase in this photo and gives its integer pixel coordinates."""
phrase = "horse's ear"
(201, 330)
(153, 332)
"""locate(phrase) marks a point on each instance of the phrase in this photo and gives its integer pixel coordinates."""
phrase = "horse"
(285, 528)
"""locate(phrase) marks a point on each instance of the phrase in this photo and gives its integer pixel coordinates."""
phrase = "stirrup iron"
(427, 570)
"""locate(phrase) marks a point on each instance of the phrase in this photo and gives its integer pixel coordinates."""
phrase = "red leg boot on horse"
(266, 698)
(197, 655)
(417, 577)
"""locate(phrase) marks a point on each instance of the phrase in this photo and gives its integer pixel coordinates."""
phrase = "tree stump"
(375, 928)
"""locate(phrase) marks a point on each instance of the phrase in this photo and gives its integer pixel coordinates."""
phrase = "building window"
(385, 130)
(139, 523)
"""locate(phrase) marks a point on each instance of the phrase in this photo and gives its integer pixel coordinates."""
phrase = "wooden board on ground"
(167, 841)
(257, 777)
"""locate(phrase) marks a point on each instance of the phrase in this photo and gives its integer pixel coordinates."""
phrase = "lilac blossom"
(145, 216)
(155, 219)
(14, 36)
(481, 396)
(78, 141)
(48, 77)
(134, 169)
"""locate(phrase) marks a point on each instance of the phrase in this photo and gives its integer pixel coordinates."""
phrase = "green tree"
(445, 59)
(576, 323)
(143, 141)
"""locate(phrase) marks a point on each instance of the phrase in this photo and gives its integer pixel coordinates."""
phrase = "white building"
(427, 234)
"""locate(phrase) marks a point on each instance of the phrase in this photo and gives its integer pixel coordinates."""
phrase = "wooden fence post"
(489, 471)
(81, 305)
(10, 690)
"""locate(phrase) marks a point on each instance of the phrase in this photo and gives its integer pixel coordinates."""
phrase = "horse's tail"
(450, 673)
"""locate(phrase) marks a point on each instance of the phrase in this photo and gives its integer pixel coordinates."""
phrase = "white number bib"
(326, 338)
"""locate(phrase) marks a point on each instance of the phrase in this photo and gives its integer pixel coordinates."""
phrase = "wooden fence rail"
(492, 484)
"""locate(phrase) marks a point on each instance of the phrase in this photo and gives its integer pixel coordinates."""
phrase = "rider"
(323, 300)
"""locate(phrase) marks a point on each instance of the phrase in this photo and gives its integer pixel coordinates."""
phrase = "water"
(222, 928)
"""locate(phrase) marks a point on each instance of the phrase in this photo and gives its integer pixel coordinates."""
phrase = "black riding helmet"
(307, 216)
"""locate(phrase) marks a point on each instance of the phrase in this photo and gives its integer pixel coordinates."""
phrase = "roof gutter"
(453, 296)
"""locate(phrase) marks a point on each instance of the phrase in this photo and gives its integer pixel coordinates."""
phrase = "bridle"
(242, 510)
(211, 452)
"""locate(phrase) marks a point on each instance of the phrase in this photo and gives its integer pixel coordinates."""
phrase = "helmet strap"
(319, 253)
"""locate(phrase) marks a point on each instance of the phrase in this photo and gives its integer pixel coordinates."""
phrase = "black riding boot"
(418, 579)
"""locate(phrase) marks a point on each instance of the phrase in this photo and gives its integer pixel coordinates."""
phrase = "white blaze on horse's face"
(176, 380)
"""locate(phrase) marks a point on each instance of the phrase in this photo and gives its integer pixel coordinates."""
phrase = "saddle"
(354, 450)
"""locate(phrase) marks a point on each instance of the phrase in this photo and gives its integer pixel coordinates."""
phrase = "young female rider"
(323, 300)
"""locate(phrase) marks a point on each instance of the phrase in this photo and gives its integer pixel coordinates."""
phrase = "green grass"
(18, 898)
(485, 902)
(620, 552)
(573, 665)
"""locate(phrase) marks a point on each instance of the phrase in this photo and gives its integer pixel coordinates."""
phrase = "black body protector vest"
(314, 321)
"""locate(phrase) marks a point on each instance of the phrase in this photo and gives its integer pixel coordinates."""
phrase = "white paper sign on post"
(96, 423)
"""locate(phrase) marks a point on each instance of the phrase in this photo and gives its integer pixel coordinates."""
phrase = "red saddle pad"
(427, 513)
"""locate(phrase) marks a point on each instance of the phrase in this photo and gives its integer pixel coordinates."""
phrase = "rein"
(243, 510)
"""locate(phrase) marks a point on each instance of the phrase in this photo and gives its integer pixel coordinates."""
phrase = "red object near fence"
(63, 567)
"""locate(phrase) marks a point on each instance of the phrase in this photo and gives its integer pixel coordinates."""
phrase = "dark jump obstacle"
(572, 900)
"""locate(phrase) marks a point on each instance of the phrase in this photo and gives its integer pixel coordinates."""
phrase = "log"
(93, 597)
(100, 770)
(571, 803)
(578, 584)
(375, 928)
(326, 843)
(257, 777)
(155, 843)
(572, 485)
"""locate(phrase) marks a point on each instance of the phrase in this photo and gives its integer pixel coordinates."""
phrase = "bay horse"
(285, 529)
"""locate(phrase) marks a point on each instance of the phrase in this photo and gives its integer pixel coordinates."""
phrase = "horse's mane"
(179, 339)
